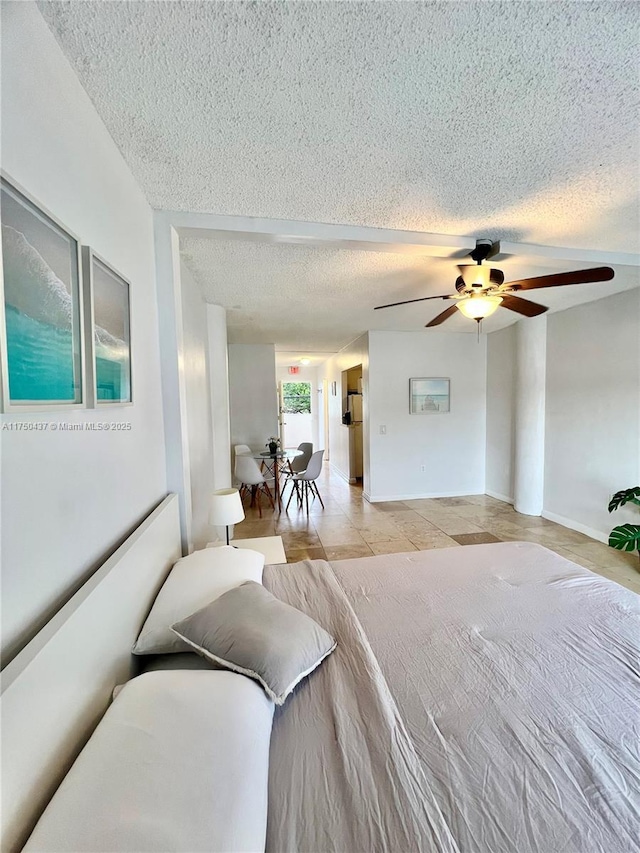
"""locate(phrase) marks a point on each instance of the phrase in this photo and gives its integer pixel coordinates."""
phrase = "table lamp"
(226, 508)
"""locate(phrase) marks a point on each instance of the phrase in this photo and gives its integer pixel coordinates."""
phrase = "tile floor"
(349, 526)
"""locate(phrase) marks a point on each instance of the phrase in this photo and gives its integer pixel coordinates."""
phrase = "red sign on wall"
(294, 370)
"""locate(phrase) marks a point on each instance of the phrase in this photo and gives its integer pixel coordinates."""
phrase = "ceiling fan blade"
(460, 254)
(562, 278)
(494, 250)
(408, 301)
(522, 306)
(442, 317)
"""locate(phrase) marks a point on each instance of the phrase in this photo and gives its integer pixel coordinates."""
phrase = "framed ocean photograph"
(429, 396)
(41, 341)
(108, 328)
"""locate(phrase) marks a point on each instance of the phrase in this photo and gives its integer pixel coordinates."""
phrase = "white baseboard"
(498, 496)
(559, 519)
(420, 497)
(342, 474)
(576, 525)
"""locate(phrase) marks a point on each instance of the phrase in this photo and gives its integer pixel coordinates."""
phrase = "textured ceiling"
(260, 285)
(509, 119)
(443, 117)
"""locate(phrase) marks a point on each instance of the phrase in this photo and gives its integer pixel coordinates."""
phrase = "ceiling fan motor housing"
(484, 249)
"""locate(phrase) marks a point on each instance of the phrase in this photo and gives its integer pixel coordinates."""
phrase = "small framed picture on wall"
(429, 396)
(108, 326)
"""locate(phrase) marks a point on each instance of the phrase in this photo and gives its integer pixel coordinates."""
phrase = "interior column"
(219, 391)
(531, 361)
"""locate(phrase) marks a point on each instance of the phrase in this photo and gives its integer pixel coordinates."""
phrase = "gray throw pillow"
(248, 630)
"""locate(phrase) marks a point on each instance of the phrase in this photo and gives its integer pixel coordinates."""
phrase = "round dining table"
(276, 461)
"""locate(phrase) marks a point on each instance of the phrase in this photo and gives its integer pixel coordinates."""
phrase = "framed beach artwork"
(41, 336)
(108, 329)
(429, 396)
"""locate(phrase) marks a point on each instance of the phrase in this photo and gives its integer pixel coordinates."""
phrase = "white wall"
(451, 446)
(501, 349)
(593, 411)
(195, 370)
(68, 498)
(352, 355)
(253, 394)
(592, 424)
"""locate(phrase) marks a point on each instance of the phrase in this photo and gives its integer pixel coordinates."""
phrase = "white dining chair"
(305, 481)
(252, 480)
(299, 464)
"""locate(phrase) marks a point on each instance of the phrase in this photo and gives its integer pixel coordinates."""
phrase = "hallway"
(350, 527)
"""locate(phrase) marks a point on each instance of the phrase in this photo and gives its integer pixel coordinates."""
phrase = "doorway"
(296, 423)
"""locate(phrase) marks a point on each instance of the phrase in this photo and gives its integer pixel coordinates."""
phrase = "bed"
(480, 699)
(484, 698)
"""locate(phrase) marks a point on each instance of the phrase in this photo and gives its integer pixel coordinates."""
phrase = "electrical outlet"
(423, 468)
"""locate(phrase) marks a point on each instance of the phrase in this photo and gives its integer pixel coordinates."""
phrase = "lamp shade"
(478, 307)
(225, 508)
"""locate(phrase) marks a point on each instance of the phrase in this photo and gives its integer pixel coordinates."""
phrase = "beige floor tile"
(371, 535)
(360, 505)
(604, 556)
(427, 543)
(350, 527)
(329, 525)
(254, 529)
(329, 511)
(486, 500)
(404, 515)
(497, 526)
(533, 521)
(332, 538)
(477, 514)
(348, 552)
(397, 546)
(424, 504)
(519, 534)
(300, 539)
(450, 502)
(375, 532)
(455, 524)
(437, 516)
(299, 554)
(558, 535)
(285, 523)
(419, 525)
(483, 538)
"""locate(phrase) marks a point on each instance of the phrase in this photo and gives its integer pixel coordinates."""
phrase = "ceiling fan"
(481, 290)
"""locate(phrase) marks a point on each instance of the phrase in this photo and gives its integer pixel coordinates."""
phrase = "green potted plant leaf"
(626, 537)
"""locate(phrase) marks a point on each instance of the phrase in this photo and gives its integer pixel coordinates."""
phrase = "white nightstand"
(270, 546)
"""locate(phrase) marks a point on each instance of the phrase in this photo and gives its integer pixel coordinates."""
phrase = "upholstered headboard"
(55, 691)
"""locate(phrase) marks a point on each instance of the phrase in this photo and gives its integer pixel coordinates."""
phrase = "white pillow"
(193, 582)
(179, 762)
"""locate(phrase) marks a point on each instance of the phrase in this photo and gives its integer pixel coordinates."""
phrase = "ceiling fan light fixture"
(478, 307)
(475, 275)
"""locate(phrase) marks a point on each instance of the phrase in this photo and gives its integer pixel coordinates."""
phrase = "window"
(296, 398)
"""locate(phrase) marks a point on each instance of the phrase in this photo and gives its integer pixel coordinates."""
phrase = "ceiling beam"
(363, 238)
